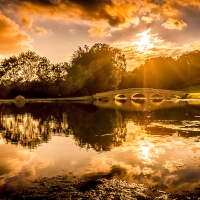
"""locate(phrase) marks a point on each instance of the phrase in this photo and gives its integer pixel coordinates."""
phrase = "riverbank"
(193, 96)
(83, 98)
(72, 187)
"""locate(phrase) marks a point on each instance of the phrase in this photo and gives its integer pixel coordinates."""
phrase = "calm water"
(154, 143)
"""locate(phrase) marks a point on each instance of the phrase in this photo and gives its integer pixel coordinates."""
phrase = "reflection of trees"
(91, 127)
(100, 130)
(31, 125)
(29, 132)
(37, 123)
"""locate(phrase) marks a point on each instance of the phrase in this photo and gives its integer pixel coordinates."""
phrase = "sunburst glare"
(145, 42)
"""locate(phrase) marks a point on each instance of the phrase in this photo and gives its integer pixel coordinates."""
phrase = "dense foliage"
(97, 69)
(165, 73)
(91, 70)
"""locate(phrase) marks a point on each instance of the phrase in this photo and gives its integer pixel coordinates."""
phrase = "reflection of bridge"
(147, 93)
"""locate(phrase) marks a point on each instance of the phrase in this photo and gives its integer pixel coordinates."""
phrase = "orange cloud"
(174, 24)
(115, 13)
(99, 31)
(13, 40)
(40, 30)
(26, 22)
(147, 19)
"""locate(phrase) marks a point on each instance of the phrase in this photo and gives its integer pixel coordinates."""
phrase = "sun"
(144, 42)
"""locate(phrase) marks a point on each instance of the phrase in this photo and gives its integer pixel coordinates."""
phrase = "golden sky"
(141, 28)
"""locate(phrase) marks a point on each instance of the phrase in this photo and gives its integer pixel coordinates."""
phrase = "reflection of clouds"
(145, 151)
(155, 160)
(162, 162)
(43, 163)
(145, 156)
(173, 165)
(147, 170)
(29, 172)
(196, 149)
(104, 163)
(13, 159)
(169, 179)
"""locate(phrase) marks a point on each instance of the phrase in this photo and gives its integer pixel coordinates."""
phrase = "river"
(153, 143)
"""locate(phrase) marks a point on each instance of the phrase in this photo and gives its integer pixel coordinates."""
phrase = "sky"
(140, 28)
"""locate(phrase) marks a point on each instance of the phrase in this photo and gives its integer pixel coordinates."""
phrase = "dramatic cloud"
(13, 40)
(75, 23)
(115, 13)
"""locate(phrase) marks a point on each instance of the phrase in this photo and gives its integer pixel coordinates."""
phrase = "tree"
(95, 69)
(189, 67)
(160, 72)
(8, 70)
(32, 75)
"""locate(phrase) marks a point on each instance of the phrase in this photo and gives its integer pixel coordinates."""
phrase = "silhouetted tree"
(95, 69)
(189, 68)
(33, 76)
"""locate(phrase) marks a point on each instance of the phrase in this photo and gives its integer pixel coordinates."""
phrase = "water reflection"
(93, 127)
(23, 129)
(99, 129)
(155, 143)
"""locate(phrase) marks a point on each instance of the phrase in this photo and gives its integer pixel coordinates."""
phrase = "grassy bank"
(83, 98)
(193, 89)
(194, 96)
(193, 92)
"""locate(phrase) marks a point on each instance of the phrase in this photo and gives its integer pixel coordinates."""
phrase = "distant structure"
(145, 93)
(19, 101)
(19, 98)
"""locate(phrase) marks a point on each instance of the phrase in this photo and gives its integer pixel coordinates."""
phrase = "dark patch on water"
(88, 185)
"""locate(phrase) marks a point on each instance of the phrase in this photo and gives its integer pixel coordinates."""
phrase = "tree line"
(91, 70)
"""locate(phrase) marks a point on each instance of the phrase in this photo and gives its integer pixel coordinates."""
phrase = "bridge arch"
(173, 97)
(120, 97)
(138, 96)
(156, 97)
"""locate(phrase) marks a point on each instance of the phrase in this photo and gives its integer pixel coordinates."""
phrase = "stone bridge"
(145, 93)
